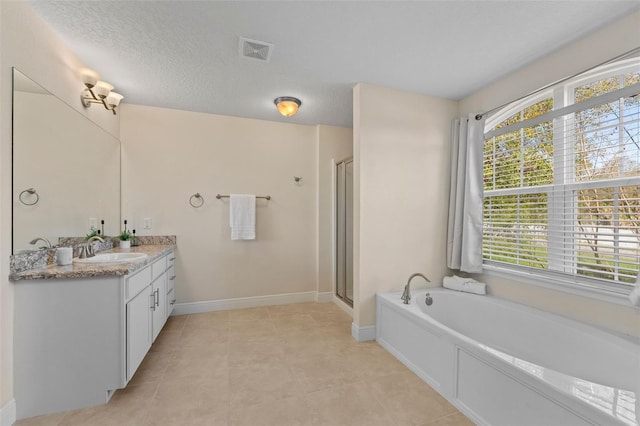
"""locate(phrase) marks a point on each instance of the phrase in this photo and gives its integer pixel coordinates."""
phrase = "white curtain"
(464, 233)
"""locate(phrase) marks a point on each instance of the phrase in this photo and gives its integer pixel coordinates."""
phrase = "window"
(562, 179)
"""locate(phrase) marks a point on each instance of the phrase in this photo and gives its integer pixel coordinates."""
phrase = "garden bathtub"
(503, 363)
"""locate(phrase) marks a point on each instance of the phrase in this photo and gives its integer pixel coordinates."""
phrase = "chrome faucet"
(86, 250)
(406, 295)
(41, 239)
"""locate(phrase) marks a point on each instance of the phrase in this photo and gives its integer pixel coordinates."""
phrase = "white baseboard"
(323, 297)
(363, 334)
(244, 302)
(8, 413)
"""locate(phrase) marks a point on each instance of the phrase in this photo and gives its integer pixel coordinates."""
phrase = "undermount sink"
(113, 258)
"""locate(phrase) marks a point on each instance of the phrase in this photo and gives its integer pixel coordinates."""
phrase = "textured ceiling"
(184, 54)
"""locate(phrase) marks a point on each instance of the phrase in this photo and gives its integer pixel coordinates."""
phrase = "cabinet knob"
(172, 278)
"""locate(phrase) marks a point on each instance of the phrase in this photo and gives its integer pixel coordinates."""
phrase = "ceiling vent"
(254, 49)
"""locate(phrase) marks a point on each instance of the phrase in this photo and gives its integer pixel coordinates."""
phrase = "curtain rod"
(562, 80)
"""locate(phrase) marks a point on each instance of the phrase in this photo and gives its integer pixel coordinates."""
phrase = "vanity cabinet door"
(139, 311)
(159, 309)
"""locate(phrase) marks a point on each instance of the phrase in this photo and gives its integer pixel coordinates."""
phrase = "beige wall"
(334, 143)
(29, 45)
(401, 185)
(168, 155)
(607, 43)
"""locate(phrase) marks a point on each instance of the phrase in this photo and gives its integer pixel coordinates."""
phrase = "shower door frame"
(341, 241)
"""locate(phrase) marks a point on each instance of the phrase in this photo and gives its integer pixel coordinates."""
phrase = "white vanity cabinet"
(77, 340)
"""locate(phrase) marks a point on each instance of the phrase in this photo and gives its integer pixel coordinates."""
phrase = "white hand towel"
(242, 216)
(467, 285)
(634, 296)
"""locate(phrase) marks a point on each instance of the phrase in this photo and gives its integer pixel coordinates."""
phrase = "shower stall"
(344, 231)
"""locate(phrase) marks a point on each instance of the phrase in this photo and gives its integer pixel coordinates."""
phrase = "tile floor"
(279, 365)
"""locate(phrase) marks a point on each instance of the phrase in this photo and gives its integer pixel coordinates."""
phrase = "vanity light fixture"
(287, 105)
(98, 92)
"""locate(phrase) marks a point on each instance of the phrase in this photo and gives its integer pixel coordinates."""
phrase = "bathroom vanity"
(81, 331)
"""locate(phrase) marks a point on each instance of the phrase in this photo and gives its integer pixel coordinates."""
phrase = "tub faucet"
(41, 239)
(406, 295)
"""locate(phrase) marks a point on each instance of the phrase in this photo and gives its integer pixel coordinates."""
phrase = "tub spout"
(406, 294)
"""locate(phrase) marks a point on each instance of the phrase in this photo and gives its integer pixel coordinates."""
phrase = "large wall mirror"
(66, 169)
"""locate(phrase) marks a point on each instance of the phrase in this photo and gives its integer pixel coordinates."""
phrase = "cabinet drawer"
(137, 282)
(171, 301)
(171, 278)
(171, 259)
(158, 268)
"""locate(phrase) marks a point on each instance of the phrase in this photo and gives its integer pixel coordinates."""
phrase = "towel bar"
(266, 197)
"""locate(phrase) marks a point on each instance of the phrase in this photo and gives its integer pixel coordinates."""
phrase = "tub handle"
(428, 300)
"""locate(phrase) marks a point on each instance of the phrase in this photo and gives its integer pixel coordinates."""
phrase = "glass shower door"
(344, 231)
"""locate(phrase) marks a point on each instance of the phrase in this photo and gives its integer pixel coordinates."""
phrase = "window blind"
(562, 185)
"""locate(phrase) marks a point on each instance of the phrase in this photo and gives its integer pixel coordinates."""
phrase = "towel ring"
(198, 197)
(30, 191)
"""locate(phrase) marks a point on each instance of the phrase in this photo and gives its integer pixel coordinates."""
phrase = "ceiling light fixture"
(287, 105)
(98, 92)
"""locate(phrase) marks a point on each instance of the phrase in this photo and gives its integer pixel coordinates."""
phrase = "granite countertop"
(85, 270)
